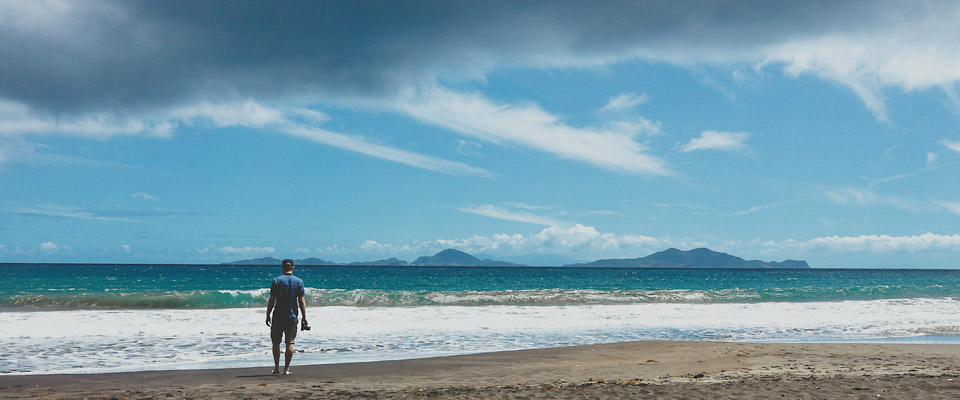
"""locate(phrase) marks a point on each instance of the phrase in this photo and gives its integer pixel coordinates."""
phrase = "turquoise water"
(65, 287)
(100, 318)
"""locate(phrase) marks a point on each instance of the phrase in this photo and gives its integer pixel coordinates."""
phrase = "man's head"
(287, 265)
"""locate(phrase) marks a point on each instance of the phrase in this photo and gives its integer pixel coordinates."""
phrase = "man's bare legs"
(287, 357)
(276, 358)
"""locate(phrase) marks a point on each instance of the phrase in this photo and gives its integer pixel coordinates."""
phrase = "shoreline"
(659, 368)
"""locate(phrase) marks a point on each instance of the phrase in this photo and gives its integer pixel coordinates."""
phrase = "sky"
(537, 132)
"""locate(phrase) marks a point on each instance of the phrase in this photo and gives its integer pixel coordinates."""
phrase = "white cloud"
(469, 148)
(525, 206)
(856, 196)
(530, 126)
(580, 240)
(931, 158)
(887, 244)
(913, 49)
(603, 212)
(387, 248)
(952, 207)
(125, 247)
(361, 146)
(245, 251)
(332, 250)
(762, 207)
(636, 126)
(67, 212)
(492, 211)
(625, 101)
(17, 120)
(222, 115)
(49, 247)
(310, 116)
(714, 140)
(143, 195)
(952, 145)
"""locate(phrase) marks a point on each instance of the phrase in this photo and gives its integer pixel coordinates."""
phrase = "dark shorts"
(281, 329)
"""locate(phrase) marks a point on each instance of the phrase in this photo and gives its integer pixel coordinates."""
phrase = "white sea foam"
(127, 340)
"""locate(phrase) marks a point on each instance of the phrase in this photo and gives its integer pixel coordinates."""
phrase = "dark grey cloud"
(133, 55)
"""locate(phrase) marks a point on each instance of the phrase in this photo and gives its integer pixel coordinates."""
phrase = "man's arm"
(303, 308)
(270, 304)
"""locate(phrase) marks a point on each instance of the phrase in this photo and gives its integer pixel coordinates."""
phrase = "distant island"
(457, 258)
(445, 258)
(696, 258)
(276, 261)
(670, 258)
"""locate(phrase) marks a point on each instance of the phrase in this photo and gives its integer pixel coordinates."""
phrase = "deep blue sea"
(98, 318)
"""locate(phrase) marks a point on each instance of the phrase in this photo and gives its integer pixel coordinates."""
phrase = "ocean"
(112, 318)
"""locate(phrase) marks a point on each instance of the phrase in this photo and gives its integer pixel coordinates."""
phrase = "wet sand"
(649, 369)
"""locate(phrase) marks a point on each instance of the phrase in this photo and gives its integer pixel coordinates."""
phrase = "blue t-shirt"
(287, 288)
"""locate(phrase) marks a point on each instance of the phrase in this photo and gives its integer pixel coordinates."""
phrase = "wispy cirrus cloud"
(951, 144)
(952, 207)
(492, 211)
(251, 114)
(603, 212)
(528, 125)
(292, 121)
(359, 145)
(625, 101)
(767, 206)
(143, 196)
(117, 215)
(851, 195)
(715, 140)
(929, 168)
(68, 212)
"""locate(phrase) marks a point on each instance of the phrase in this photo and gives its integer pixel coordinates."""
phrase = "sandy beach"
(621, 370)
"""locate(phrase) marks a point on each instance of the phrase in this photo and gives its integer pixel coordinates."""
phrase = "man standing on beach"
(286, 299)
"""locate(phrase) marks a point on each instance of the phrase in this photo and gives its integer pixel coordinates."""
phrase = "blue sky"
(541, 133)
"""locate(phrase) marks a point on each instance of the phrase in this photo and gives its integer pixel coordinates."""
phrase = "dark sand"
(662, 370)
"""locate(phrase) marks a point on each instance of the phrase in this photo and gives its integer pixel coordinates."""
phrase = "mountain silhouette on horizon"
(669, 258)
(696, 258)
(457, 258)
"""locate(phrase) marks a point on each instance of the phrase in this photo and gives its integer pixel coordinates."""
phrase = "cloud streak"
(357, 144)
(714, 140)
(950, 144)
(624, 101)
(530, 126)
(851, 195)
(248, 114)
(491, 211)
(114, 215)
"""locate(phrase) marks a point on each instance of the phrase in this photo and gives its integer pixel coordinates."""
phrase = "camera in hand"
(304, 326)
